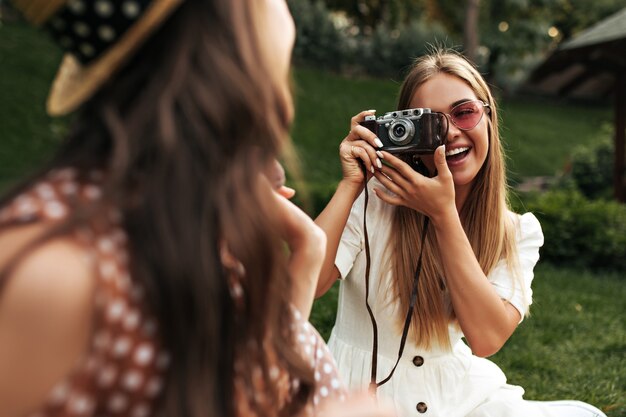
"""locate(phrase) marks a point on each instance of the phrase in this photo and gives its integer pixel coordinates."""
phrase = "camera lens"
(401, 131)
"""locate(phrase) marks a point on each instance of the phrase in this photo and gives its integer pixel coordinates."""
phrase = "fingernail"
(380, 154)
(378, 163)
(378, 143)
(372, 169)
(373, 110)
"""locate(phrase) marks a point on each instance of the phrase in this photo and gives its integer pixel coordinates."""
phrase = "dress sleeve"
(517, 289)
(352, 241)
(311, 345)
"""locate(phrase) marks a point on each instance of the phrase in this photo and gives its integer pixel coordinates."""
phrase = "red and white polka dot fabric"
(250, 386)
(123, 372)
(327, 382)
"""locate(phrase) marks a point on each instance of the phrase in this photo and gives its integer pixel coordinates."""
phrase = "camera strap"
(407, 321)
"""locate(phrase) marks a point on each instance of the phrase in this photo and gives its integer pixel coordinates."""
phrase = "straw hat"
(98, 36)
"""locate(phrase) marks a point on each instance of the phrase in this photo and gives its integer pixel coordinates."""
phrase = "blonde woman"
(477, 257)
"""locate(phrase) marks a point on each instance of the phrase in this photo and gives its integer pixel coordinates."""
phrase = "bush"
(385, 52)
(388, 52)
(592, 167)
(318, 41)
(580, 232)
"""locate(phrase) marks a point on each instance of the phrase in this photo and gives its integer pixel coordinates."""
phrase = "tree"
(470, 29)
(368, 14)
(505, 38)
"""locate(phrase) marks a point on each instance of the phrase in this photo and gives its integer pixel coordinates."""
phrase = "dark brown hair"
(183, 132)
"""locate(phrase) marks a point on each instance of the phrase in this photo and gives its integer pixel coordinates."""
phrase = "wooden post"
(620, 133)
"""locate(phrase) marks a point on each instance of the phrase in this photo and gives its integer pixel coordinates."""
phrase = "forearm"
(305, 267)
(487, 322)
(332, 221)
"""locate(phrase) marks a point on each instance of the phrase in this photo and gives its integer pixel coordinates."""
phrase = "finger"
(286, 192)
(296, 224)
(363, 133)
(361, 149)
(388, 182)
(406, 181)
(355, 120)
(399, 165)
(362, 154)
(392, 199)
(441, 165)
(373, 154)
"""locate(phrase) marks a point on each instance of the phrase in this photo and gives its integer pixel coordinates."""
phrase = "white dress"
(433, 383)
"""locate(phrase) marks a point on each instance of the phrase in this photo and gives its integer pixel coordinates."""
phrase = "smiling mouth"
(457, 153)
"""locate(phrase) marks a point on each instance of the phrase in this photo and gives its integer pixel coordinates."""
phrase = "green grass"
(325, 103)
(573, 346)
(27, 65)
(574, 343)
(540, 135)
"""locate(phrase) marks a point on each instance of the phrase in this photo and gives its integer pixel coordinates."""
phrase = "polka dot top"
(123, 370)
(249, 386)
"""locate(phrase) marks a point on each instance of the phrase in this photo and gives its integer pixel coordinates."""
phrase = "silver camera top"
(408, 113)
(390, 116)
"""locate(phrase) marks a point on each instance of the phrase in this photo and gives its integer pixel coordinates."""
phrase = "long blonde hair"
(484, 214)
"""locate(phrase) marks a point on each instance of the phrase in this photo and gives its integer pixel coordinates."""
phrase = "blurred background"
(557, 69)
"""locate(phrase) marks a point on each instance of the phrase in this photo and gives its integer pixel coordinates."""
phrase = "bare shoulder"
(57, 271)
(46, 310)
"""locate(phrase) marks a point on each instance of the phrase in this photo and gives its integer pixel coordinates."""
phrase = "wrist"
(350, 187)
(445, 219)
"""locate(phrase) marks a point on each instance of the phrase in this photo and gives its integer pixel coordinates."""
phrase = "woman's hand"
(433, 197)
(357, 150)
(360, 146)
(305, 239)
(275, 174)
(307, 247)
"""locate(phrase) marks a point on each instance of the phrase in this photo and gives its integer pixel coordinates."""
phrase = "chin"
(463, 180)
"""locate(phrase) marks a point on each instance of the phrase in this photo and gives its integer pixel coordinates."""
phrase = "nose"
(453, 130)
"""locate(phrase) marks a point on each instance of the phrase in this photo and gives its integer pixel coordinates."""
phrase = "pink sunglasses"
(468, 114)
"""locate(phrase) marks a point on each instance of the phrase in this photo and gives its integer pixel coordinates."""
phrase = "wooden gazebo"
(592, 65)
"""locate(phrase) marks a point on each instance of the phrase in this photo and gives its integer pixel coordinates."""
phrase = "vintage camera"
(416, 131)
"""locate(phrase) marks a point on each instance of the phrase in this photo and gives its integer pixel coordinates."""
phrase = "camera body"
(415, 131)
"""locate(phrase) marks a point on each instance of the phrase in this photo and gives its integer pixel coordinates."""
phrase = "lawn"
(574, 344)
(28, 135)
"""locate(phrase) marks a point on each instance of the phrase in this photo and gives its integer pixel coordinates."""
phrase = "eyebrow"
(463, 100)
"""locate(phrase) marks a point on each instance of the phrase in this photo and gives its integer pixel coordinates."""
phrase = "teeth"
(456, 151)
